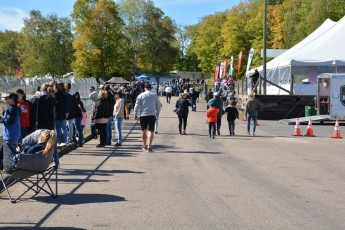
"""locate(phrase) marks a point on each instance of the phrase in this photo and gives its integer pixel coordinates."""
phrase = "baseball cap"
(147, 85)
(11, 96)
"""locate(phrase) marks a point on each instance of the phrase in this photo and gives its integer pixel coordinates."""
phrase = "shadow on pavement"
(43, 228)
(82, 172)
(194, 152)
(76, 199)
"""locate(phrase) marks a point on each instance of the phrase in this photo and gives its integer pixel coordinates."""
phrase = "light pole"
(264, 46)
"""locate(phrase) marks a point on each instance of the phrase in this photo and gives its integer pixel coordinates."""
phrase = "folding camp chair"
(34, 171)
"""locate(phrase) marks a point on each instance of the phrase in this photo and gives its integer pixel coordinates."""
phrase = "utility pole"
(264, 48)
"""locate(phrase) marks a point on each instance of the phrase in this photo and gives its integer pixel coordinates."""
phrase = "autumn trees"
(106, 37)
(217, 37)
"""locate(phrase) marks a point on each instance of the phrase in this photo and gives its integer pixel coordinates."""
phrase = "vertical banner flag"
(216, 72)
(231, 69)
(221, 70)
(239, 62)
(224, 64)
(250, 58)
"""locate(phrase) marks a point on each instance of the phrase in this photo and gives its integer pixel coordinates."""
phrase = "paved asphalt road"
(271, 181)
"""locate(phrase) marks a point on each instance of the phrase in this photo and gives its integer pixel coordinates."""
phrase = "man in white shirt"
(147, 107)
(168, 92)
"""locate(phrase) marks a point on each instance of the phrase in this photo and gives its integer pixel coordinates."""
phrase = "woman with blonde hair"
(100, 117)
(46, 143)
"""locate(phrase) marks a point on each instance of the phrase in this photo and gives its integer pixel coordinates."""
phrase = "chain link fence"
(9, 84)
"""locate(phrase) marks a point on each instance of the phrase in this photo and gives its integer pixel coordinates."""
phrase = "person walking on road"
(168, 92)
(251, 111)
(182, 112)
(147, 107)
(218, 103)
(212, 115)
(119, 115)
(232, 114)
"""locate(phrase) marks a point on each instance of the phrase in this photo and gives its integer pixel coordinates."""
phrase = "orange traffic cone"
(297, 130)
(310, 131)
(336, 131)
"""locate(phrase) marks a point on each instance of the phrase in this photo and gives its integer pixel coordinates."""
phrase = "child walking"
(232, 114)
(211, 114)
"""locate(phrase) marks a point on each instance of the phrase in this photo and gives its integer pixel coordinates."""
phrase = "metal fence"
(10, 84)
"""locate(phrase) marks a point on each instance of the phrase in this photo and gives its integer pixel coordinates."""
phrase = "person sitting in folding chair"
(45, 142)
(34, 159)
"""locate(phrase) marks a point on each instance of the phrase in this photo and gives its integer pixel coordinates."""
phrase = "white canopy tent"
(323, 51)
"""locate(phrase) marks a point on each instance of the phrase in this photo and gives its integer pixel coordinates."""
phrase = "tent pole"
(264, 47)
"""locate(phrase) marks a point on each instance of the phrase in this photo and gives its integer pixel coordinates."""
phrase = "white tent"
(321, 52)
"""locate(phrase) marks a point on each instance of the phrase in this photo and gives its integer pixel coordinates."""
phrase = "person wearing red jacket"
(211, 114)
(25, 108)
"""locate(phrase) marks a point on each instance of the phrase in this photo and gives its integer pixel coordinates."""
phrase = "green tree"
(46, 45)
(207, 40)
(132, 12)
(243, 31)
(9, 62)
(101, 48)
(159, 49)
(183, 40)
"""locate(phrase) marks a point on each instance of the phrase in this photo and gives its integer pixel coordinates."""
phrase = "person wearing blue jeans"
(251, 111)
(110, 99)
(78, 108)
(60, 114)
(61, 131)
(77, 125)
(250, 117)
(119, 114)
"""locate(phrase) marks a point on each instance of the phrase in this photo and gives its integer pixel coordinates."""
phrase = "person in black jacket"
(111, 101)
(255, 77)
(194, 96)
(100, 116)
(60, 114)
(43, 109)
(78, 108)
(182, 112)
(232, 114)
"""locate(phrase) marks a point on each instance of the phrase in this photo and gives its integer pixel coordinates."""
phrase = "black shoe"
(108, 143)
(117, 144)
(99, 146)
(218, 132)
(80, 145)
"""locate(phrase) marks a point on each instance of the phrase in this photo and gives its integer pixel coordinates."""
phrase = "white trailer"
(330, 99)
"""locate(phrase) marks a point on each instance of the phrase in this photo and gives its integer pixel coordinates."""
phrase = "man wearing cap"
(147, 107)
(11, 120)
(218, 103)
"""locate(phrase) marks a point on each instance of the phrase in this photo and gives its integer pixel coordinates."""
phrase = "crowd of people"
(221, 100)
(56, 107)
